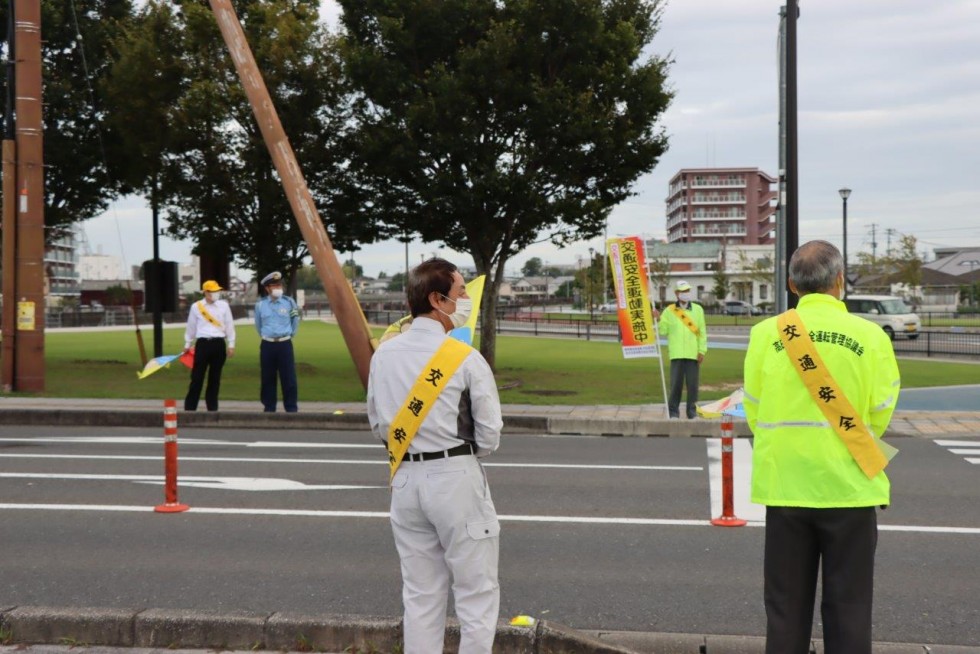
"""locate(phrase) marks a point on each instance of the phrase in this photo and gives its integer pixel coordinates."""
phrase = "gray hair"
(814, 267)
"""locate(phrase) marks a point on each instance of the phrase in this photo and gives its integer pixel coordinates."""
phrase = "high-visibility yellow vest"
(682, 342)
(798, 458)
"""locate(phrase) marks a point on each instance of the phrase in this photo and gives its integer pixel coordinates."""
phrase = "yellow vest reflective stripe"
(870, 453)
(207, 316)
(433, 378)
(686, 319)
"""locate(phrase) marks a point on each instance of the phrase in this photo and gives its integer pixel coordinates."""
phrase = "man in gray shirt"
(442, 516)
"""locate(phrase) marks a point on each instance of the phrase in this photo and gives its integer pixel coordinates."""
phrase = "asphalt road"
(597, 532)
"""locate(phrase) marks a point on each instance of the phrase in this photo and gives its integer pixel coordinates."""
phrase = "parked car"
(889, 312)
(741, 308)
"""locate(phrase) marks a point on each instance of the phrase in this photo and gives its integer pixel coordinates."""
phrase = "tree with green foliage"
(352, 270)
(205, 156)
(532, 267)
(722, 284)
(308, 279)
(150, 47)
(589, 281)
(396, 282)
(118, 295)
(490, 126)
(907, 263)
(660, 277)
(77, 185)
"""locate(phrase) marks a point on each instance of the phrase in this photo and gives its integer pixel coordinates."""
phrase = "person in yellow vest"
(820, 389)
(211, 326)
(442, 516)
(687, 343)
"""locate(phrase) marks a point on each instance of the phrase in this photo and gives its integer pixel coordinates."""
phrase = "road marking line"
(153, 440)
(741, 477)
(230, 459)
(376, 446)
(970, 531)
(957, 443)
(221, 483)
(973, 459)
(972, 450)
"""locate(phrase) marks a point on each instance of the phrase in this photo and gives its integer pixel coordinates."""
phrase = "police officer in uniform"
(687, 343)
(442, 516)
(211, 329)
(276, 320)
(820, 503)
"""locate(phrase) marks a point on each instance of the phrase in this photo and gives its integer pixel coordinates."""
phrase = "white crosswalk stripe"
(969, 450)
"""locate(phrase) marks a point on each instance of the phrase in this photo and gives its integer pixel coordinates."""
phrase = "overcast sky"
(889, 106)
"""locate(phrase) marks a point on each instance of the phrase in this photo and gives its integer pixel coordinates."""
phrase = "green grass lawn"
(529, 370)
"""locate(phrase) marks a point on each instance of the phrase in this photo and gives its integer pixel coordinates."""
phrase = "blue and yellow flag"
(474, 289)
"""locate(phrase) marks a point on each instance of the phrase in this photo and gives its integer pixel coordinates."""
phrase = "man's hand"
(656, 314)
(231, 352)
(700, 358)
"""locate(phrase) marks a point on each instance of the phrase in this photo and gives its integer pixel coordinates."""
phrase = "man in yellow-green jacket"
(687, 342)
(820, 389)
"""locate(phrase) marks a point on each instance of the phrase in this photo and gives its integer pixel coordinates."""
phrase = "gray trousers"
(447, 535)
(683, 371)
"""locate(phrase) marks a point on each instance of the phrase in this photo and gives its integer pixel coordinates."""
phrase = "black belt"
(211, 338)
(459, 450)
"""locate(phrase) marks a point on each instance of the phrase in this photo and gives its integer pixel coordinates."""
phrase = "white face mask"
(684, 297)
(215, 296)
(276, 293)
(464, 307)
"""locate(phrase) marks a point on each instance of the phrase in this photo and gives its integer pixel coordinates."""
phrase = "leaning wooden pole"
(345, 306)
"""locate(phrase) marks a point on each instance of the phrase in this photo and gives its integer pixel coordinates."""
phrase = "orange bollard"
(170, 455)
(727, 518)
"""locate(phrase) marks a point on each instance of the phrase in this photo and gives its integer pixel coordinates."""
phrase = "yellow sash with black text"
(207, 315)
(870, 453)
(686, 319)
(433, 378)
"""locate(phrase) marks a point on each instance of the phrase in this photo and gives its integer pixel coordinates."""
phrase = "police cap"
(272, 278)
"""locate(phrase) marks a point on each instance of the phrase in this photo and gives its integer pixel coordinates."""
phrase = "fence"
(115, 316)
(934, 343)
(961, 339)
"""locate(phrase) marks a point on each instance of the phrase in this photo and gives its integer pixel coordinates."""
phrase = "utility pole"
(889, 233)
(780, 262)
(9, 317)
(792, 204)
(874, 244)
(23, 313)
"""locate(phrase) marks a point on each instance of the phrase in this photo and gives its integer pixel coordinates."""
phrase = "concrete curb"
(241, 630)
(353, 421)
(570, 423)
(183, 629)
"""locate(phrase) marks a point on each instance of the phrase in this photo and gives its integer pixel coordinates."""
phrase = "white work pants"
(446, 529)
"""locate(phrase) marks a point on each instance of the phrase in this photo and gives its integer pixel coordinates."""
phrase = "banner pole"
(656, 330)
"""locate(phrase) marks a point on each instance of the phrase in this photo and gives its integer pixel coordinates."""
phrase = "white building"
(749, 269)
(99, 267)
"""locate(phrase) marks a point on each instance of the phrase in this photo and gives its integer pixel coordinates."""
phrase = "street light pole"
(844, 194)
(589, 282)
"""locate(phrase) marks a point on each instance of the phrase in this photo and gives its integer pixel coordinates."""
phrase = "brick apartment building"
(721, 205)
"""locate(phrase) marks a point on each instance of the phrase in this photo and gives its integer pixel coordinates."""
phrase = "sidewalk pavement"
(597, 420)
(158, 631)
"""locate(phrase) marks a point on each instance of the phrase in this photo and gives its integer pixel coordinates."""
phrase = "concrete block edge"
(244, 630)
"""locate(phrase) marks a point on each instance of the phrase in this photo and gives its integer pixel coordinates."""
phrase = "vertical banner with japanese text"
(632, 297)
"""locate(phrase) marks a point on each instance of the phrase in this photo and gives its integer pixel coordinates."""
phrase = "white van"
(888, 311)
